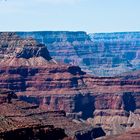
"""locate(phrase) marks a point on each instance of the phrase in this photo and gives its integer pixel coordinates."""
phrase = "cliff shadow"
(129, 102)
(85, 104)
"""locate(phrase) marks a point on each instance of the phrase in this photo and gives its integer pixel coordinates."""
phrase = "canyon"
(28, 69)
(21, 120)
(100, 54)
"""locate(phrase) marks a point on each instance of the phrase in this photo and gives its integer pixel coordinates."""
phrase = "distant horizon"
(72, 31)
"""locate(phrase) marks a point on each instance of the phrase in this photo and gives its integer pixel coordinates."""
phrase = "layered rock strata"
(20, 120)
(111, 102)
(101, 54)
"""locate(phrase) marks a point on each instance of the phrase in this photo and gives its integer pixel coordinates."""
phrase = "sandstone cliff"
(20, 120)
(102, 54)
(112, 103)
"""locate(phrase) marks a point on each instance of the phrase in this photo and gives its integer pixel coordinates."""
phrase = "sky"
(92, 16)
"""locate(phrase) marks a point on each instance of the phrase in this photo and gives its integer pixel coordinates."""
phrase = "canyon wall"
(21, 120)
(101, 54)
(114, 106)
(112, 103)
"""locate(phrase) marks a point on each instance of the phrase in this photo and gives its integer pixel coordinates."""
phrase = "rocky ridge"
(21, 120)
(101, 54)
(109, 102)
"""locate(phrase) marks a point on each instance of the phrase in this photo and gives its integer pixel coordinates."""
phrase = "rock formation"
(110, 102)
(102, 54)
(24, 121)
(134, 134)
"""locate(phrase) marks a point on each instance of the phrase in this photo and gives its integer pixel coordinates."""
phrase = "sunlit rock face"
(133, 134)
(101, 54)
(30, 71)
(119, 51)
(110, 102)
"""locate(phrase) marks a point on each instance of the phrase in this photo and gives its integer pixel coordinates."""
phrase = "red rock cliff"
(27, 68)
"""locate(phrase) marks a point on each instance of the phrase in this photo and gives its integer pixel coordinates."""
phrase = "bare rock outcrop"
(21, 120)
(101, 54)
(112, 103)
